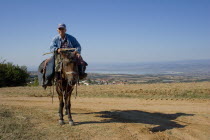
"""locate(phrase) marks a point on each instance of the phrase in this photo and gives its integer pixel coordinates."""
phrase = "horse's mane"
(69, 55)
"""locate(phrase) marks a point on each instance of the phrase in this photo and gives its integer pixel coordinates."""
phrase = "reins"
(53, 90)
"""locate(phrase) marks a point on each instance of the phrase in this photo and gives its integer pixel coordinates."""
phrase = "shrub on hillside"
(12, 75)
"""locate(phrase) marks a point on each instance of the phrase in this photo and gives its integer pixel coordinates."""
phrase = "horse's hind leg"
(66, 113)
(65, 109)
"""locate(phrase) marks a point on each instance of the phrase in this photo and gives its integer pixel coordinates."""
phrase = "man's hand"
(77, 54)
(59, 50)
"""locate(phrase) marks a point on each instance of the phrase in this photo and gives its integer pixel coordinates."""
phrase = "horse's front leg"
(61, 104)
(68, 107)
(60, 111)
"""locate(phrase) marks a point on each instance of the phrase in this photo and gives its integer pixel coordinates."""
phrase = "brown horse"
(65, 82)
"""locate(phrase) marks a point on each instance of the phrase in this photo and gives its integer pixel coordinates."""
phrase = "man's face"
(61, 31)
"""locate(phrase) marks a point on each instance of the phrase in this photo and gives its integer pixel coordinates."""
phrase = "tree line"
(12, 75)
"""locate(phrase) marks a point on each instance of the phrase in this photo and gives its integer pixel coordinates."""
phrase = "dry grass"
(16, 125)
(156, 91)
(24, 117)
(171, 90)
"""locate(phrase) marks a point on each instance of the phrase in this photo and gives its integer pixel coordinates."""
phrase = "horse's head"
(69, 67)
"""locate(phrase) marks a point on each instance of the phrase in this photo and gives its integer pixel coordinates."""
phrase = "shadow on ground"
(163, 121)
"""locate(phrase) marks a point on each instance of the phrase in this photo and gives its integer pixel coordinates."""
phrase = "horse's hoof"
(71, 123)
(61, 122)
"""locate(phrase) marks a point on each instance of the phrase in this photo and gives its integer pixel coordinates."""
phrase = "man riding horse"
(62, 41)
(69, 68)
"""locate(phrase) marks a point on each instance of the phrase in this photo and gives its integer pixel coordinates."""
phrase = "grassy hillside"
(162, 90)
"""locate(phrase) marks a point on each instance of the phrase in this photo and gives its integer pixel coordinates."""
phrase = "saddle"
(46, 71)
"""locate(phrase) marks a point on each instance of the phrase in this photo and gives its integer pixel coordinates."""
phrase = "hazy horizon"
(164, 67)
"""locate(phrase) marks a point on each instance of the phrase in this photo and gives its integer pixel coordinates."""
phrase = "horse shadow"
(163, 121)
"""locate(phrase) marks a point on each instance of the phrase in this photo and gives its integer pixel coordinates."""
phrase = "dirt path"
(117, 118)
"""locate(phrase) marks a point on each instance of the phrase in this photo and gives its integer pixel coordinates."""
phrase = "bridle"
(72, 73)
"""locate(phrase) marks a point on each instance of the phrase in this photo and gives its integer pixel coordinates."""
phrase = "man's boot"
(82, 74)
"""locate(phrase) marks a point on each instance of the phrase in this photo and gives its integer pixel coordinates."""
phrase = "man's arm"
(53, 46)
(76, 45)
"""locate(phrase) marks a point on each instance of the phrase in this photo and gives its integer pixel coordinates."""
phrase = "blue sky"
(108, 30)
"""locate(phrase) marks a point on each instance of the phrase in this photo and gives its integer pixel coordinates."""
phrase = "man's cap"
(61, 26)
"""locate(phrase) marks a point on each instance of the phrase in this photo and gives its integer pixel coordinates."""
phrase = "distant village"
(92, 80)
(121, 79)
(103, 82)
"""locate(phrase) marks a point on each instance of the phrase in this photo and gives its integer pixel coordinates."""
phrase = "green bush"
(12, 75)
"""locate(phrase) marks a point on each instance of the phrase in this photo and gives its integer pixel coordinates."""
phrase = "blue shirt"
(71, 41)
